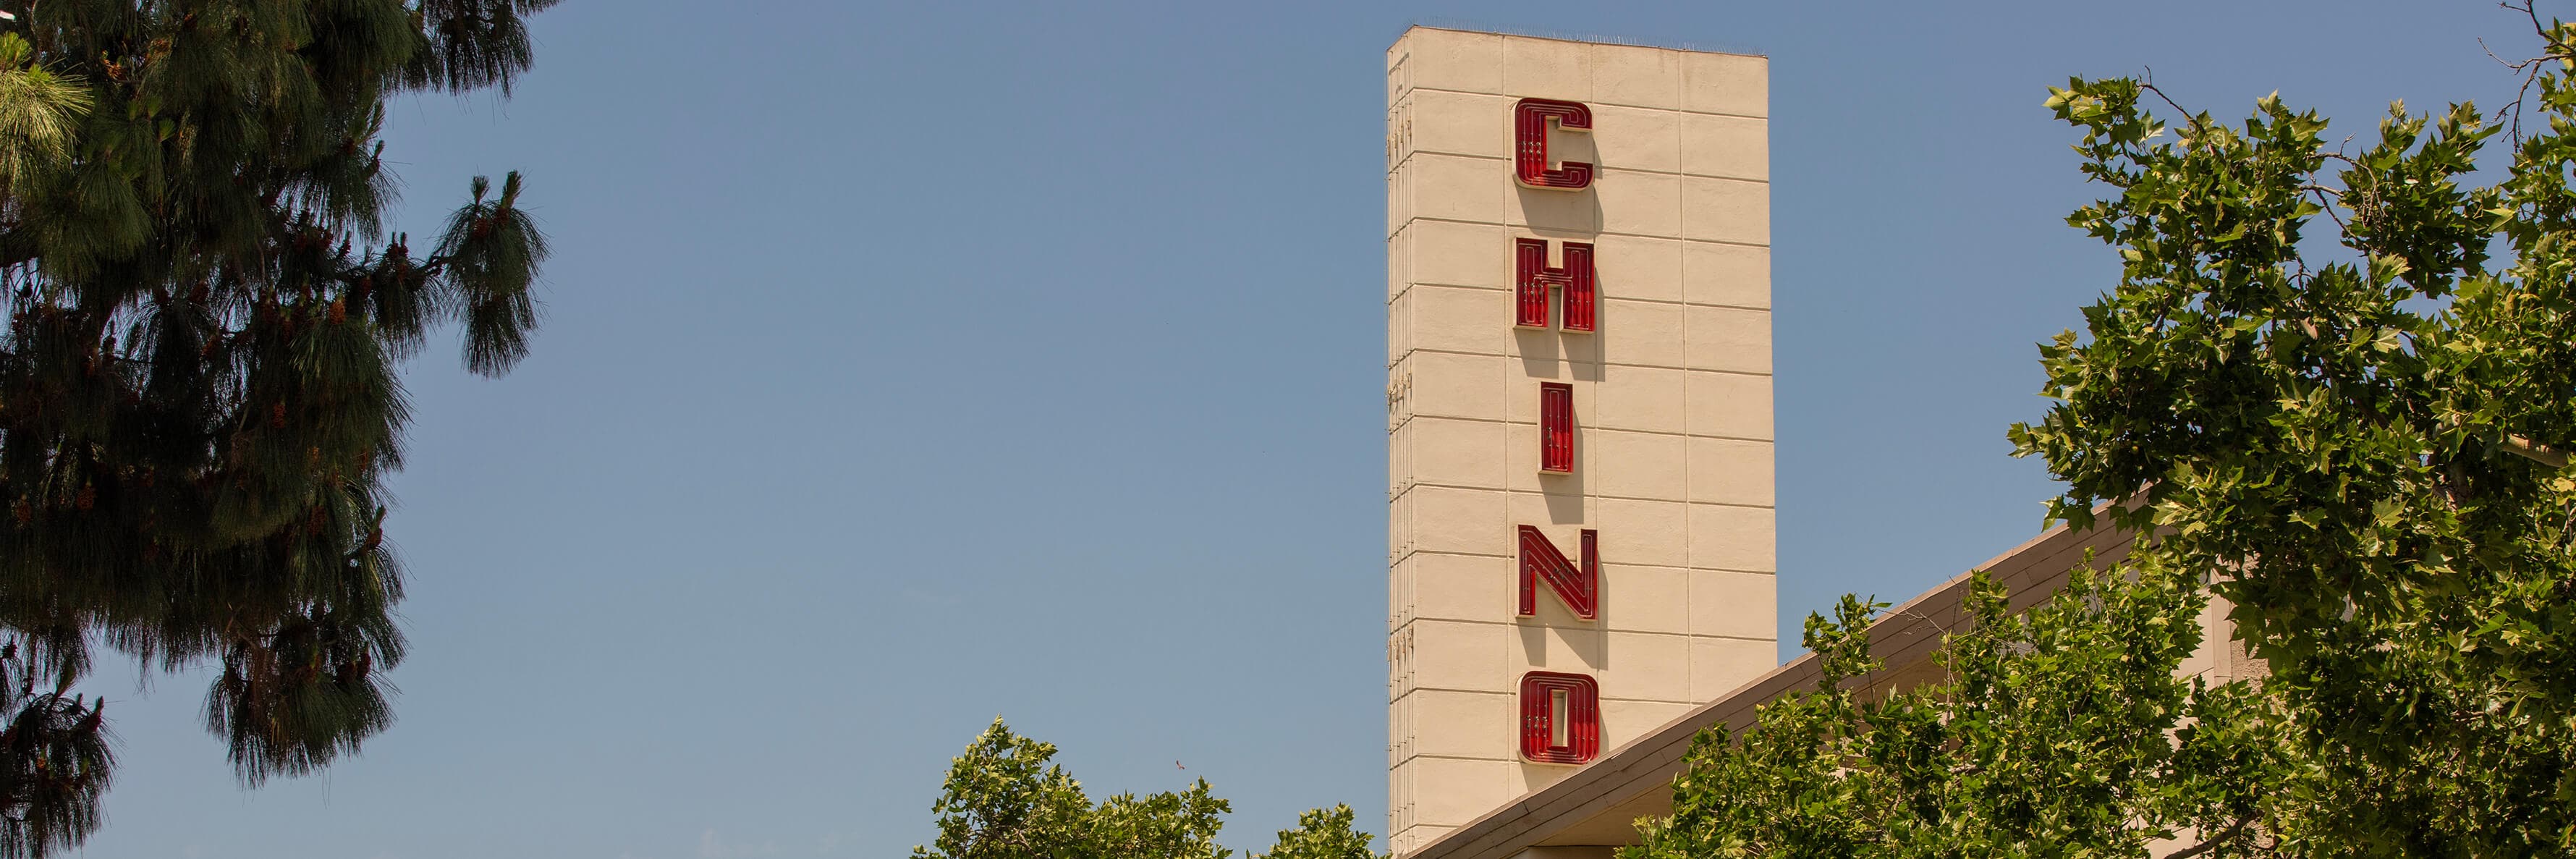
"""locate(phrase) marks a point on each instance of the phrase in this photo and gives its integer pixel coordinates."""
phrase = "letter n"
(1531, 278)
(1579, 587)
(1560, 718)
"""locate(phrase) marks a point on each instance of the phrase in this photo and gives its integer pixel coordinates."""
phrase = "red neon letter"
(1579, 587)
(1529, 130)
(1555, 427)
(1560, 718)
(1531, 278)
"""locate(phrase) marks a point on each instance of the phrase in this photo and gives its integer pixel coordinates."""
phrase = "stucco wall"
(1672, 399)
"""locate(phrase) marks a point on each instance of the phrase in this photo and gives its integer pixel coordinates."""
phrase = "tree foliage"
(1005, 798)
(2334, 385)
(1323, 833)
(2365, 433)
(2061, 732)
(198, 386)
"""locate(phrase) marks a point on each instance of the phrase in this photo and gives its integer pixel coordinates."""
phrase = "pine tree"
(198, 390)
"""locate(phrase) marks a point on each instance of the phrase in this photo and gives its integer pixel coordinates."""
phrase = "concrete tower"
(1579, 447)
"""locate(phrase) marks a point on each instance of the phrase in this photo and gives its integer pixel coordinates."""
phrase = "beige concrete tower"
(1658, 161)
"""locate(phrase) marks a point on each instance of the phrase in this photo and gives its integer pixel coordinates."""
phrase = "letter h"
(1531, 279)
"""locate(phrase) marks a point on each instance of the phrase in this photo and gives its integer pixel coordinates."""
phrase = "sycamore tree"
(2060, 732)
(2334, 383)
(199, 398)
(1005, 798)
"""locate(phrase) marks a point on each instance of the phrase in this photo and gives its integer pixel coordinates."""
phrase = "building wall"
(1595, 808)
(1672, 402)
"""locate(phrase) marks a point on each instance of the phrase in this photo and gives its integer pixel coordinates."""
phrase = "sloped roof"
(1600, 803)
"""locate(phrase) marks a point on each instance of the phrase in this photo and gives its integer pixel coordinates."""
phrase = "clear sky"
(909, 364)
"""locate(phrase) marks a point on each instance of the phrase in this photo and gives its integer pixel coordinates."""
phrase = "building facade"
(1579, 441)
(1580, 496)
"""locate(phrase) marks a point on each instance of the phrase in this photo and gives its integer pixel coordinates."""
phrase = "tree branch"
(2536, 451)
(2211, 843)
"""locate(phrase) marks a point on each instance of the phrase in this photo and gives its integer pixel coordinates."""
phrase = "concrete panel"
(1459, 656)
(1554, 640)
(1726, 83)
(1413, 836)
(1457, 188)
(1451, 791)
(1647, 399)
(1630, 139)
(1399, 527)
(1560, 513)
(1455, 254)
(1461, 319)
(1636, 267)
(1718, 665)
(1649, 599)
(1733, 147)
(1640, 77)
(1399, 254)
(1456, 520)
(1728, 471)
(1546, 68)
(1646, 667)
(1733, 405)
(1399, 328)
(1646, 204)
(1645, 532)
(1734, 275)
(1727, 338)
(1453, 452)
(1457, 123)
(1456, 386)
(1622, 721)
(1399, 198)
(1465, 724)
(1557, 355)
(1732, 538)
(1461, 587)
(1452, 60)
(1718, 210)
(1640, 465)
(1643, 333)
(1556, 214)
(1735, 605)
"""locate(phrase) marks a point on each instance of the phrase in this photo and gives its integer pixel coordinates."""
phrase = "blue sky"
(909, 364)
